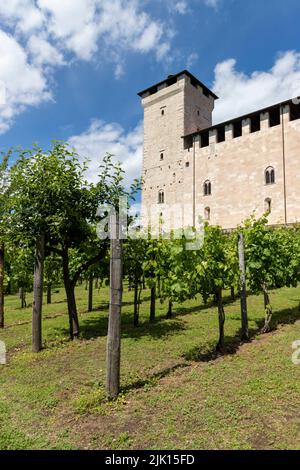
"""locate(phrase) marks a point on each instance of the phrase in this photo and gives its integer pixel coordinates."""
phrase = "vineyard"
(104, 334)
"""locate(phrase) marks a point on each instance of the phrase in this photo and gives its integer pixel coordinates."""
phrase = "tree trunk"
(91, 285)
(22, 296)
(49, 292)
(38, 294)
(136, 306)
(113, 354)
(70, 293)
(221, 313)
(243, 291)
(268, 310)
(170, 309)
(232, 294)
(1, 285)
(97, 284)
(152, 303)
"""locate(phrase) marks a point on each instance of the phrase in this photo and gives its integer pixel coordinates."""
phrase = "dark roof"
(170, 80)
(245, 116)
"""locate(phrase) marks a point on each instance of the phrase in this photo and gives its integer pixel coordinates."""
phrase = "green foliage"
(272, 255)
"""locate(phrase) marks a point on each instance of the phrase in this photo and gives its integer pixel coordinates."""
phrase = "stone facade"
(182, 151)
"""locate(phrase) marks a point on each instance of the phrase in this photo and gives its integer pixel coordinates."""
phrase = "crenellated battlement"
(257, 121)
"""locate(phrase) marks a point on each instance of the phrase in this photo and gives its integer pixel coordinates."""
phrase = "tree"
(4, 194)
(54, 207)
(134, 257)
(111, 183)
(52, 273)
(243, 290)
(272, 260)
(217, 269)
(21, 260)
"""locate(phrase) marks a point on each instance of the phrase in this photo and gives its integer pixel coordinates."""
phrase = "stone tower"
(173, 108)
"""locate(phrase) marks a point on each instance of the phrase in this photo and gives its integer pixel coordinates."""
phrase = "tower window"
(161, 197)
(270, 175)
(207, 213)
(161, 156)
(207, 188)
(187, 164)
(162, 112)
(268, 205)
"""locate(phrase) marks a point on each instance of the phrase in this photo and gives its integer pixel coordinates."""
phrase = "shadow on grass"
(154, 378)
(181, 310)
(233, 343)
(91, 328)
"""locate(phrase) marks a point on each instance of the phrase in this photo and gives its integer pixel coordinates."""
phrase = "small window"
(207, 188)
(207, 213)
(198, 112)
(161, 197)
(270, 175)
(161, 156)
(162, 112)
(187, 164)
(268, 205)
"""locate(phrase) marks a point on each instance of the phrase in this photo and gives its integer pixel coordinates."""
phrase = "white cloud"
(43, 53)
(181, 7)
(25, 84)
(82, 25)
(23, 14)
(46, 34)
(101, 138)
(191, 60)
(212, 3)
(240, 93)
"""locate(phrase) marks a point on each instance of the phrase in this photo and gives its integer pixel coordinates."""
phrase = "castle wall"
(236, 169)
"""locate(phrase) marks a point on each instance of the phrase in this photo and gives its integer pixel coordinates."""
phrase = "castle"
(221, 172)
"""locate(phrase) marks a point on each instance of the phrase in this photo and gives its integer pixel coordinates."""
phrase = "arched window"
(207, 213)
(270, 175)
(268, 205)
(161, 197)
(207, 188)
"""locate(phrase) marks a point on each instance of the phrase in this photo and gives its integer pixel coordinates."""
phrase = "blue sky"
(71, 69)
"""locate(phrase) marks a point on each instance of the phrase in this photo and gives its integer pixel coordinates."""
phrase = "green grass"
(175, 392)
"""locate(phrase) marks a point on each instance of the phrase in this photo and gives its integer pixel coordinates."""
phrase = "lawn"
(176, 393)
